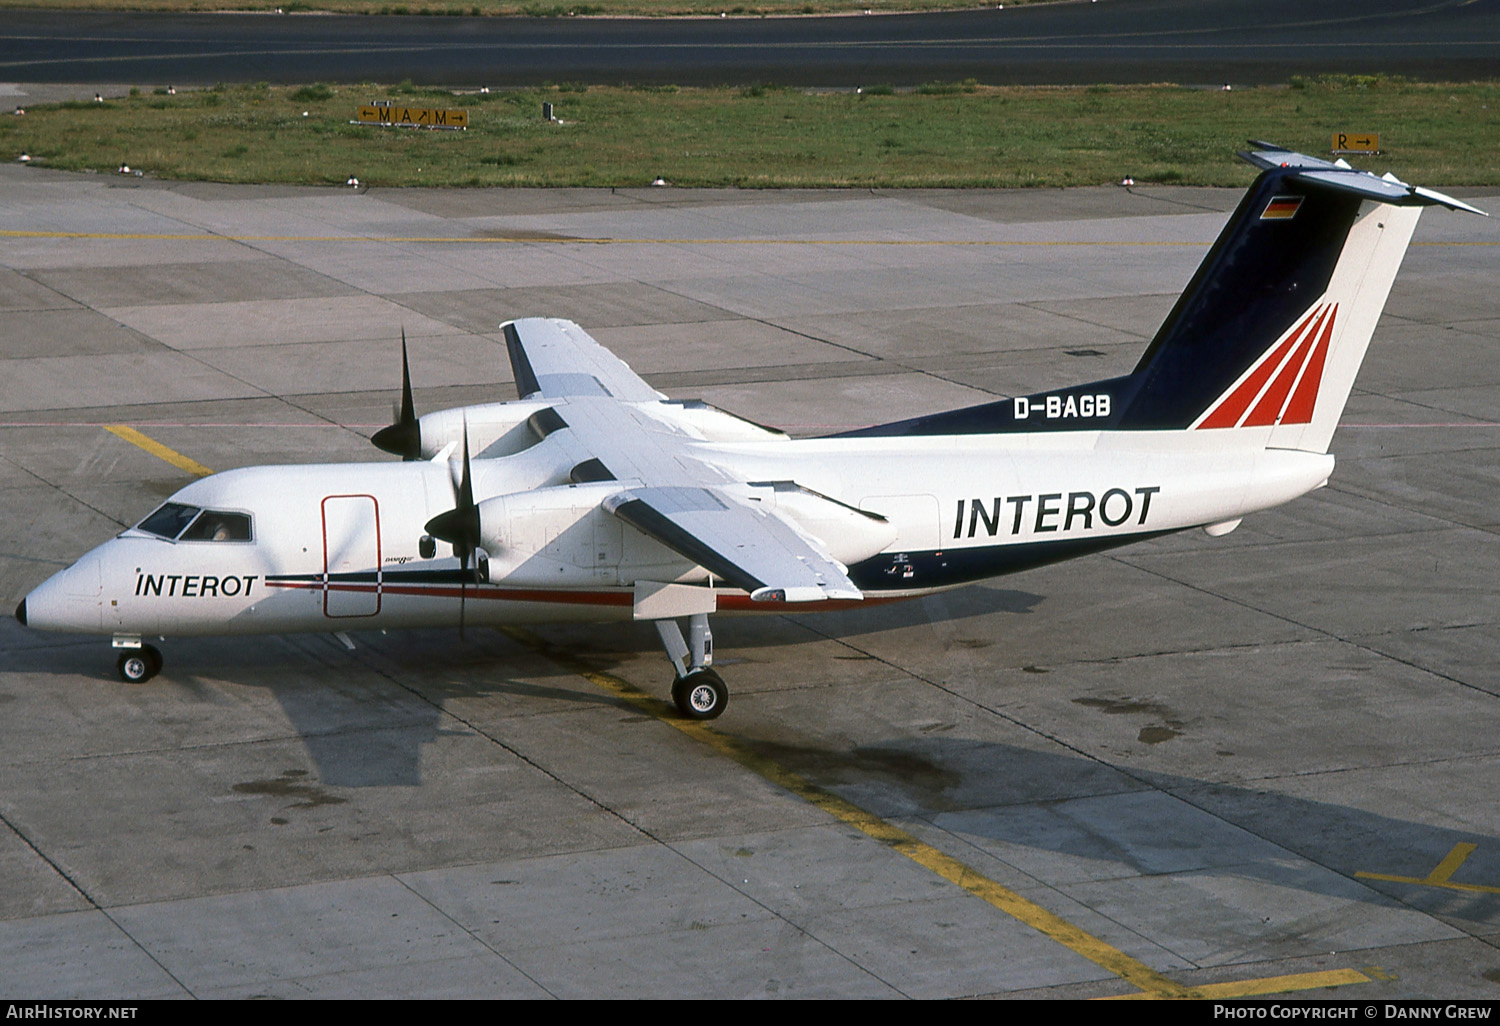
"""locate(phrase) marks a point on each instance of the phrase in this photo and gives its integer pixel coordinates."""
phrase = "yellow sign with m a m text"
(412, 117)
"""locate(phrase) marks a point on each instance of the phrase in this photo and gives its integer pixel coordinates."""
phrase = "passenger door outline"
(351, 523)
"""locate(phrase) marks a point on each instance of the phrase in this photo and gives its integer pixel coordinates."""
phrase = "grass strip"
(942, 135)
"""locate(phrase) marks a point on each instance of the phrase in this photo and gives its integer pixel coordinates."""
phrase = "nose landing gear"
(139, 665)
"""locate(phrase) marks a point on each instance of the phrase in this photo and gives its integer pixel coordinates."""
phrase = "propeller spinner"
(459, 527)
(404, 437)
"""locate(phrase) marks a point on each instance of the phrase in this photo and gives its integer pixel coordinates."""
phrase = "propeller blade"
(463, 594)
(459, 527)
(408, 408)
(404, 437)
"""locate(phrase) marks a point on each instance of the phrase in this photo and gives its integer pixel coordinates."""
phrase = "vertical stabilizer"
(1264, 344)
(1269, 335)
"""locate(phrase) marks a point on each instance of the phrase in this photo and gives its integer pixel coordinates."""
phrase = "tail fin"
(1270, 332)
(1274, 325)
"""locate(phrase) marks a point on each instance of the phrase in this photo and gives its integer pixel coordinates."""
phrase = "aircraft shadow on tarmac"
(366, 715)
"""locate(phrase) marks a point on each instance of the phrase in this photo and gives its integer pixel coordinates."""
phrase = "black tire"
(701, 695)
(153, 659)
(135, 666)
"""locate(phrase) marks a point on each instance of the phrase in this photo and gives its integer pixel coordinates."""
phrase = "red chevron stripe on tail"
(1286, 363)
(1300, 409)
(1268, 410)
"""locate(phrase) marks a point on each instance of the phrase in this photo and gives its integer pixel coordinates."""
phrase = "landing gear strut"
(138, 665)
(699, 692)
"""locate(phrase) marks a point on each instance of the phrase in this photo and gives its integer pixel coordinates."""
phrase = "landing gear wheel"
(701, 695)
(137, 666)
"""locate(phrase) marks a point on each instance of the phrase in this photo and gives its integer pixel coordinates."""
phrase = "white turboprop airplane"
(595, 497)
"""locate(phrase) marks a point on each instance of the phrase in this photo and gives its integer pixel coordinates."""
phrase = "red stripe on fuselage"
(727, 602)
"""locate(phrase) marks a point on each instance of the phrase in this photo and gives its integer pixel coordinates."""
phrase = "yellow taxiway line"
(1441, 876)
(158, 450)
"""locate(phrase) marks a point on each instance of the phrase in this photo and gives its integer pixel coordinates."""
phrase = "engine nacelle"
(562, 538)
(711, 424)
(495, 429)
(850, 535)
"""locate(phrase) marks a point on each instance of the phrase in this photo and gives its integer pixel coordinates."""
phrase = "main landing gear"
(699, 692)
(138, 665)
(701, 695)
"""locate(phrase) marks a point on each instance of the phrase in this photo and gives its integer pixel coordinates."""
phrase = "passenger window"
(214, 526)
(169, 520)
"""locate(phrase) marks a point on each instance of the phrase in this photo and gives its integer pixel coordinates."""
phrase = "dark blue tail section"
(1273, 261)
(1270, 265)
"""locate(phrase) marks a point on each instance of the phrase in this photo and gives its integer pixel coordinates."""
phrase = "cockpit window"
(169, 520)
(200, 524)
(215, 526)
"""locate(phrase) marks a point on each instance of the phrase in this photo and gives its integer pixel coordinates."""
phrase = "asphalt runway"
(1195, 42)
(1261, 763)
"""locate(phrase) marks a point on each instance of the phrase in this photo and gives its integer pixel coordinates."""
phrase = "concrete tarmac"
(1254, 764)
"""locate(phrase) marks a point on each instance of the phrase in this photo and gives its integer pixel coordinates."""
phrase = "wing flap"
(750, 548)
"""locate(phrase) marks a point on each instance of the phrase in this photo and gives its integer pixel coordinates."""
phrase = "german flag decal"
(1281, 208)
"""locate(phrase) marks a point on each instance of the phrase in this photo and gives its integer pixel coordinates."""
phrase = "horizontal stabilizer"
(1340, 176)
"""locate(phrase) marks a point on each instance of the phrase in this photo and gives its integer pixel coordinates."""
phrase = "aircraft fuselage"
(339, 547)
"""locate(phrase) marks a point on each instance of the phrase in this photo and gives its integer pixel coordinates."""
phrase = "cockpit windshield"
(169, 520)
(178, 522)
(213, 525)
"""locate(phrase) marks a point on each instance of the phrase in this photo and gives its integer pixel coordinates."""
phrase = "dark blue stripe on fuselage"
(1003, 417)
(947, 567)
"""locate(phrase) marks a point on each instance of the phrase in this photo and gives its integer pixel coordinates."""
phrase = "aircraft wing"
(687, 504)
(553, 359)
(750, 548)
(694, 508)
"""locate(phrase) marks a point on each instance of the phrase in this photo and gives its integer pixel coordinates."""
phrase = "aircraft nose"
(69, 600)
